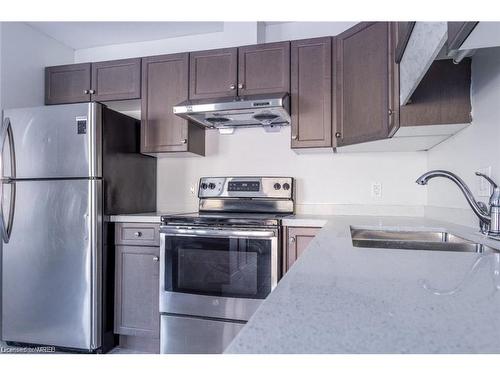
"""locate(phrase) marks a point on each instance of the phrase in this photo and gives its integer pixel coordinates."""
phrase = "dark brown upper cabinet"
(116, 80)
(102, 81)
(264, 68)
(165, 81)
(311, 93)
(67, 83)
(367, 90)
(442, 97)
(213, 73)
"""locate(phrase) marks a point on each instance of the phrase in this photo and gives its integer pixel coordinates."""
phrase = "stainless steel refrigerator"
(64, 169)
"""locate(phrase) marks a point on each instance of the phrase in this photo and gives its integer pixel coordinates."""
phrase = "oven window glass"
(227, 267)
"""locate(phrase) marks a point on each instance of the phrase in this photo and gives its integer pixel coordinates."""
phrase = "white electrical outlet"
(376, 189)
(484, 187)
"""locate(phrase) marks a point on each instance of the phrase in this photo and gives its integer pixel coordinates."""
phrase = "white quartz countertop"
(342, 299)
(144, 217)
(155, 217)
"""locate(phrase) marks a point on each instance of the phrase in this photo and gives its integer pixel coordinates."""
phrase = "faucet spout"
(483, 215)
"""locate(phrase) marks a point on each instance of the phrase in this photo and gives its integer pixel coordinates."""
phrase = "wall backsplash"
(323, 178)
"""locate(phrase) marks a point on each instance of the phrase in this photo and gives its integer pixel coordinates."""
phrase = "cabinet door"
(213, 73)
(442, 97)
(67, 84)
(264, 68)
(164, 84)
(297, 240)
(366, 84)
(137, 310)
(311, 92)
(116, 80)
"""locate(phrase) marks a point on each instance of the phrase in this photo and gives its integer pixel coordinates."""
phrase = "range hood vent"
(270, 110)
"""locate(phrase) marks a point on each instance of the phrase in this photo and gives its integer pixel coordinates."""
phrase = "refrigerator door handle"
(6, 132)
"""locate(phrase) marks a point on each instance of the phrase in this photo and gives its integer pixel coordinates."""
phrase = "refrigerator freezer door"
(61, 141)
(51, 278)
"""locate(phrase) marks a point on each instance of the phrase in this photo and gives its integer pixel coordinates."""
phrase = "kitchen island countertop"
(338, 298)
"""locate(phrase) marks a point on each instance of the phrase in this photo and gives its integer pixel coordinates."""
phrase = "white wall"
(476, 147)
(25, 53)
(326, 179)
(301, 30)
(234, 34)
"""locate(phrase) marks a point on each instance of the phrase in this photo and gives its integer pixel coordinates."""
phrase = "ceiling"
(78, 35)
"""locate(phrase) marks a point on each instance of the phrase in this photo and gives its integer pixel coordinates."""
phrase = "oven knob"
(286, 186)
(204, 186)
(211, 185)
(277, 186)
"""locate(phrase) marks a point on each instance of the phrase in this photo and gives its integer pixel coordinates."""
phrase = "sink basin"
(414, 240)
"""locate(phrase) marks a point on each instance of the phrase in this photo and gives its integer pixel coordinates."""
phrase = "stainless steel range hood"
(270, 110)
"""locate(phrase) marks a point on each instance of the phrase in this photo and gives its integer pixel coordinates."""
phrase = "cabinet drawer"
(137, 234)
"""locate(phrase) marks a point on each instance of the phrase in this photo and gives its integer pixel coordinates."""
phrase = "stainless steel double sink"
(414, 240)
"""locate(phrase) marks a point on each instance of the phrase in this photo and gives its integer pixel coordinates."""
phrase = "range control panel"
(246, 187)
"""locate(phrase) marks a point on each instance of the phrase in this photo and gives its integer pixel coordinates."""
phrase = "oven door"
(215, 271)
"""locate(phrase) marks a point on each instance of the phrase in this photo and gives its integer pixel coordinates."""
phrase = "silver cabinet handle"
(184, 141)
(232, 87)
(338, 135)
(92, 92)
(390, 111)
(156, 259)
(86, 91)
(292, 239)
(294, 136)
(138, 234)
(241, 85)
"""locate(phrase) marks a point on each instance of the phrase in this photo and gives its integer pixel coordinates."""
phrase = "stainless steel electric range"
(217, 265)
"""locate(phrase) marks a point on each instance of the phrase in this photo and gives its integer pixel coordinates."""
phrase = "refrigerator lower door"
(51, 264)
(61, 141)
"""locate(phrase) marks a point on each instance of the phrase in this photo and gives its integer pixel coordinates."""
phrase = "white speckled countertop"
(155, 217)
(342, 299)
(145, 217)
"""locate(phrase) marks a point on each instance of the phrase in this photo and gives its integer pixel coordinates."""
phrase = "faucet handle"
(487, 178)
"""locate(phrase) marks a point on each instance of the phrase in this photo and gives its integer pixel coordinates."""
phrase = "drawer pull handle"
(138, 234)
(156, 259)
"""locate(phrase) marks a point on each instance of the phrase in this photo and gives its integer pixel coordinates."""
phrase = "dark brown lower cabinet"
(296, 240)
(137, 309)
(367, 90)
(137, 268)
(165, 81)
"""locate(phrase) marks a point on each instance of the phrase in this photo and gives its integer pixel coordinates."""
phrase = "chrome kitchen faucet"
(489, 215)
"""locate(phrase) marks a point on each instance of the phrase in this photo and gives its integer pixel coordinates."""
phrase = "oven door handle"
(211, 232)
